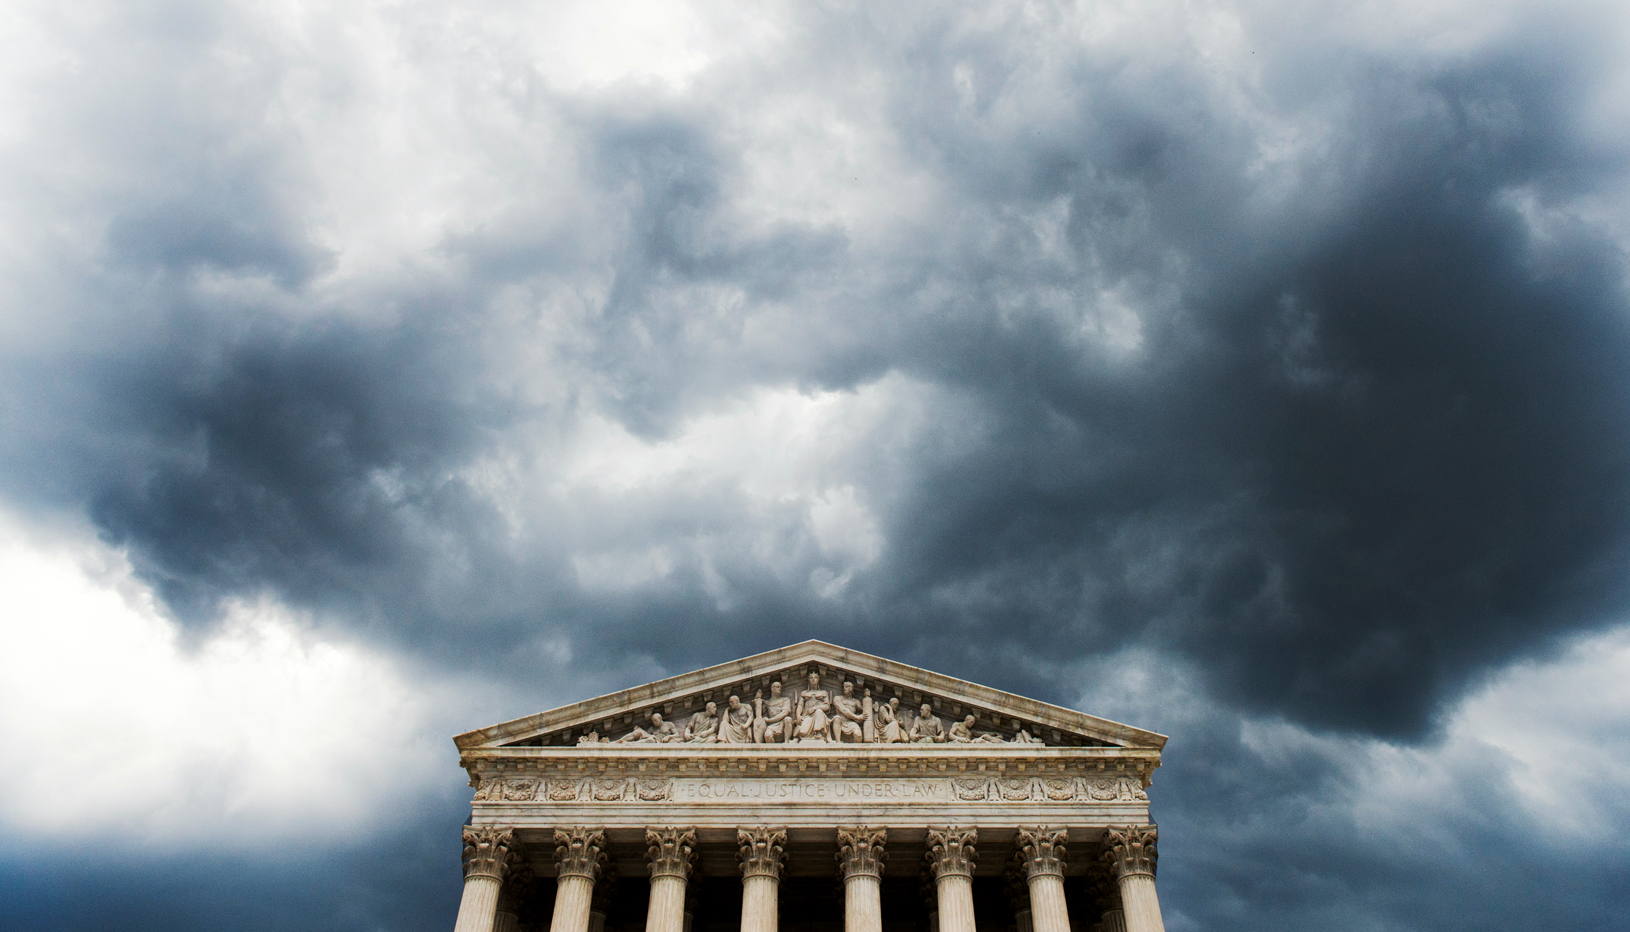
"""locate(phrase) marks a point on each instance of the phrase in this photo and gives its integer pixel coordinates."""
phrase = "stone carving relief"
(951, 850)
(488, 852)
(1117, 787)
(815, 714)
(1131, 850)
(580, 852)
(1041, 850)
(861, 852)
(762, 851)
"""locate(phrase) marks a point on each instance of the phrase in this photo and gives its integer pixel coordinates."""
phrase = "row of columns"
(580, 857)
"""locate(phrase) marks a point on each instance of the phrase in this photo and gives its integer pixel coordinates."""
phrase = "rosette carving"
(860, 851)
(671, 851)
(488, 852)
(1131, 850)
(580, 852)
(1041, 849)
(951, 851)
(763, 849)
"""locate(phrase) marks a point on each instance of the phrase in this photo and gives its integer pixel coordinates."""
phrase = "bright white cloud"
(116, 728)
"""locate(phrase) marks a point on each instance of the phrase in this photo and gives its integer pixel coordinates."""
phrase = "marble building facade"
(810, 789)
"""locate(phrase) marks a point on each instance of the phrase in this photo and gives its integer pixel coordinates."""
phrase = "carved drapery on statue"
(861, 851)
(488, 852)
(1131, 850)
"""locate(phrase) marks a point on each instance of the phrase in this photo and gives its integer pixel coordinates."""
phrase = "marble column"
(1131, 854)
(1041, 852)
(671, 852)
(579, 857)
(509, 917)
(763, 849)
(860, 858)
(951, 855)
(488, 855)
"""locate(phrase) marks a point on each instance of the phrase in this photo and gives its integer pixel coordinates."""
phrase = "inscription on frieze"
(1116, 787)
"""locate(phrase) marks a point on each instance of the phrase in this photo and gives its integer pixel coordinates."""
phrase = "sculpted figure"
(737, 725)
(773, 722)
(1022, 736)
(661, 733)
(890, 730)
(962, 733)
(926, 728)
(814, 712)
(592, 737)
(848, 724)
(703, 727)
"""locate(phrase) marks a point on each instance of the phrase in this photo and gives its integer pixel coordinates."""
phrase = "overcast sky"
(1258, 374)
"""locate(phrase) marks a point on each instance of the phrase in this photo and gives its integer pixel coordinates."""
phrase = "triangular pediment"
(1000, 717)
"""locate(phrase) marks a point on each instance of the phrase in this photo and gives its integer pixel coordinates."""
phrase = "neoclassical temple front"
(810, 789)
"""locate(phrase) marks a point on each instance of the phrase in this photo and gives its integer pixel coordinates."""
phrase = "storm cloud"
(557, 348)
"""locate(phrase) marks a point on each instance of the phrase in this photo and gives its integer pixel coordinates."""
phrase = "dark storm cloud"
(1304, 377)
(1369, 441)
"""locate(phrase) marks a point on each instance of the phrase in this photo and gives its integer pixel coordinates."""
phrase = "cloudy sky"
(1255, 373)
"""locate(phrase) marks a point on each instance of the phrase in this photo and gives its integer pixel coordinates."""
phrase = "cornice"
(651, 696)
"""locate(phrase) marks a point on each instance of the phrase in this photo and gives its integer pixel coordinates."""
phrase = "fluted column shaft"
(763, 849)
(579, 857)
(1041, 850)
(671, 854)
(1132, 855)
(861, 857)
(488, 853)
(951, 855)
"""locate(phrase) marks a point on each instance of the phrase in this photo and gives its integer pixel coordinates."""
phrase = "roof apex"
(809, 652)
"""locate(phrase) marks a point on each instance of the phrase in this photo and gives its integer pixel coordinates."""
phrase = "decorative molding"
(861, 852)
(489, 852)
(763, 850)
(1131, 850)
(1041, 850)
(951, 851)
(671, 851)
(1115, 787)
(580, 852)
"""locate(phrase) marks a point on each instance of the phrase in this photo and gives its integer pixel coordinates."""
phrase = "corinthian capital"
(950, 850)
(860, 851)
(762, 850)
(488, 852)
(1041, 849)
(1131, 850)
(580, 852)
(671, 851)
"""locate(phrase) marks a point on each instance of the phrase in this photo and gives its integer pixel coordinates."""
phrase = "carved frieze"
(1116, 787)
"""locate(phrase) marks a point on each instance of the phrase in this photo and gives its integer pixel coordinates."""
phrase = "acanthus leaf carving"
(488, 852)
(1131, 850)
(580, 852)
(762, 850)
(861, 852)
(951, 850)
(1041, 850)
(671, 851)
